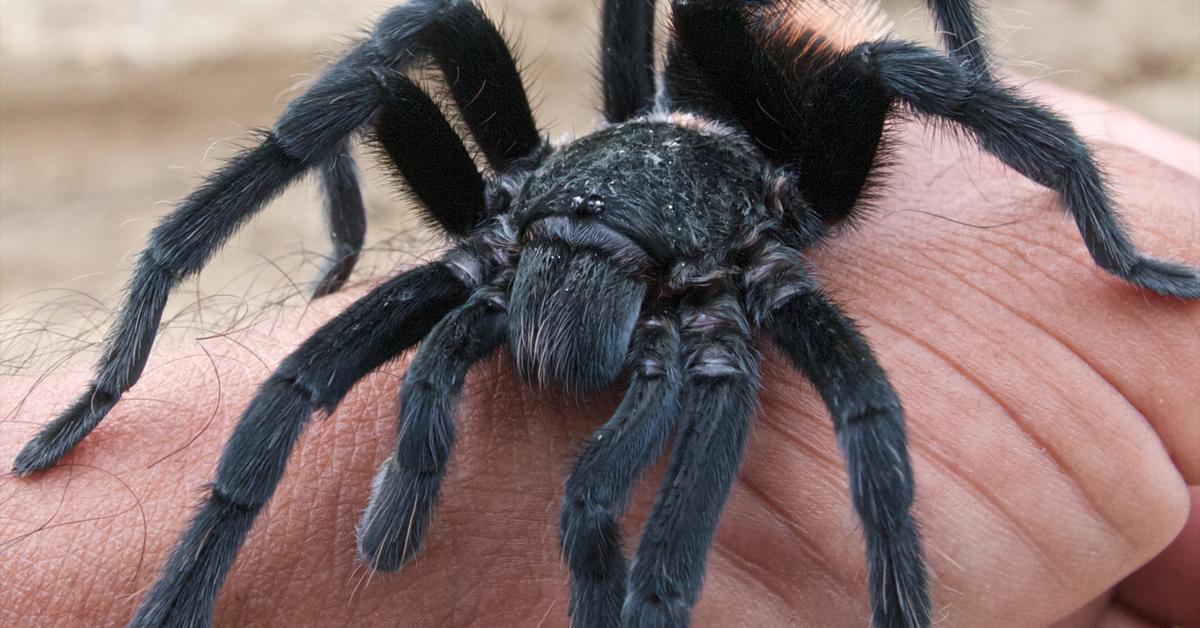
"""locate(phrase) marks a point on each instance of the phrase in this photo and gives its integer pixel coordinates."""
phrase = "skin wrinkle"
(1015, 251)
(1062, 279)
(1055, 244)
(1173, 452)
(1043, 202)
(851, 587)
(1003, 268)
(963, 479)
(1038, 443)
(1071, 347)
(750, 573)
(993, 503)
(810, 449)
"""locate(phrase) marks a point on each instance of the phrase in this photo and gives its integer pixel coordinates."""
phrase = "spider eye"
(590, 205)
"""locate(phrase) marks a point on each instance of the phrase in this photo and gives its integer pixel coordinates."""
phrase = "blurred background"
(110, 111)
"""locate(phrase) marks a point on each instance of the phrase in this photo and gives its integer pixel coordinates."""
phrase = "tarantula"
(654, 246)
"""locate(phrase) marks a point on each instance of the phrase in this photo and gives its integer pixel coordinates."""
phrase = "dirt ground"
(111, 111)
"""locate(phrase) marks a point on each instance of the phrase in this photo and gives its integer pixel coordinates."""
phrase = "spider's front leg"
(825, 345)
(717, 402)
(392, 529)
(598, 488)
(627, 58)
(377, 328)
(960, 32)
(313, 132)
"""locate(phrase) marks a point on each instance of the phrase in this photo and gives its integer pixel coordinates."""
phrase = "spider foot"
(334, 277)
(65, 432)
(652, 610)
(185, 592)
(392, 529)
(1166, 278)
(899, 583)
(596, 603)
(597, 593)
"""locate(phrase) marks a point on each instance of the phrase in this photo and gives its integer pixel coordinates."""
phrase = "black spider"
(655, 245)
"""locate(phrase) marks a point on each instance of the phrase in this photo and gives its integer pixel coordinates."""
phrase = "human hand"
(1053, 416)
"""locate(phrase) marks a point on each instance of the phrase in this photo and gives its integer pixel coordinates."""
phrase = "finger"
(1167, 589)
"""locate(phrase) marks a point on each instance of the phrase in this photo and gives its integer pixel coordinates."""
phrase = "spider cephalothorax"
(656, 247)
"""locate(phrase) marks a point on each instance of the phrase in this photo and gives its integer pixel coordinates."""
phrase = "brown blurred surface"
(111, 111)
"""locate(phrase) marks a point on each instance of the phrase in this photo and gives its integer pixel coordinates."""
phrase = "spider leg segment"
(311, 133)
(826, 347)
(179, 246)
(1031, 140)
(600, 482)
(393, 527)
(627, 58)
(347, 221)
(429, 157)
(374, 330)
(960, 33)
(718, 401)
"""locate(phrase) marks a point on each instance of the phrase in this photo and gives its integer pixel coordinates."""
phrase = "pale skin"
(1054, 420)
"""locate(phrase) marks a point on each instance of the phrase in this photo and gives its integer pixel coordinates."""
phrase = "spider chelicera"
(654, 246)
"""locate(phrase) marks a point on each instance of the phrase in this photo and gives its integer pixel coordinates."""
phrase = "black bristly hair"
(655, 246)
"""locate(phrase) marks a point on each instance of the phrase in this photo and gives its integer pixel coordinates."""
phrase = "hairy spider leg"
(598, 487)
(718, 402)
(411, 130)
(374, 330)
(312, 130)
(179, 246)
(627, 58)
(961, 34)
(479, 69)
(826, 347)
(392, 529)
(347, 218)
(1030, 139)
